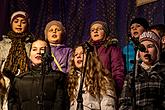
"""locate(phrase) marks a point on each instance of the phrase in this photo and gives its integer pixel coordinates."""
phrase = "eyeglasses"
(97, 29)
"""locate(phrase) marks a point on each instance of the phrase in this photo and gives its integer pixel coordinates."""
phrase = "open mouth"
(18, 29)
(135, 33)
(96, 35)
(79, 61)
(38, 57)
(54, 36)
(148, 56)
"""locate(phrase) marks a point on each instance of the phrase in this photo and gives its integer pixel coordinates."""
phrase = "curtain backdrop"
(77, 15)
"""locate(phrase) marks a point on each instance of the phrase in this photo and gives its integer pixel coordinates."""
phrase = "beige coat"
(5, 46)
(91, 103)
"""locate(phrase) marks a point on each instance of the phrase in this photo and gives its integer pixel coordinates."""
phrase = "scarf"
(17, 60)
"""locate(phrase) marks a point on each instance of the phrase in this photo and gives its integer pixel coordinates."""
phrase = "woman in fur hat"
(14, 50)
(144, 88)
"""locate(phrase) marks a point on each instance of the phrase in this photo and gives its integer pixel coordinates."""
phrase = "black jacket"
(26, 91)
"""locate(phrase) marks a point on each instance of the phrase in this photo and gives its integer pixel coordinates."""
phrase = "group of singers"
(45, 74)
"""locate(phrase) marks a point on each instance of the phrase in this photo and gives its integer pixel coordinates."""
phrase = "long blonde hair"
(96, 78)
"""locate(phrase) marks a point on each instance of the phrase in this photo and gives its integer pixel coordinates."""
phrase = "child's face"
(35, 53)
(97, 32)
(54, 35)
(19, 25)
(79, 57)
(163, 40)
(163, 37)
(150, 55)
(136, 30)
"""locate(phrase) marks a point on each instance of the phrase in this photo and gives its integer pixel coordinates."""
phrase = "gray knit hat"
(105, 26)
(54, 22)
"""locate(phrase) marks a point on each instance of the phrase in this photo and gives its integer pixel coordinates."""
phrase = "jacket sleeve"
(125, 101)
(70, 52)
(62, 98)
(117, 67)
(108, 103)
(1, 58)
(13, 99)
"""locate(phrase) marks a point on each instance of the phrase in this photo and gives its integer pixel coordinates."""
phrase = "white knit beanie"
(18, 14)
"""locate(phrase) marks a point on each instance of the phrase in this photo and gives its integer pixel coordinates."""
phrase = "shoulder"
(161, 70)
(5, 42)
(20, 76)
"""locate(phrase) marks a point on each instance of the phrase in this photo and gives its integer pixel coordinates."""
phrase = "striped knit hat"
(153, 37)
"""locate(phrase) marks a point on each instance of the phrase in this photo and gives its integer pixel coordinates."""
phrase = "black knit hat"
(142, 21)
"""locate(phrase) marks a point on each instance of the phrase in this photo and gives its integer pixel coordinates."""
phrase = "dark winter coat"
(26, 92)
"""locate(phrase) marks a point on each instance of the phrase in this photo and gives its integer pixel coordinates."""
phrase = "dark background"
(77, 15)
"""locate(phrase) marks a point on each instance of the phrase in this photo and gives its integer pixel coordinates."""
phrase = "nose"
(95, 30)
(146, 51)
(19, 23)
(39, 51)
(55, 30)
(79, 56)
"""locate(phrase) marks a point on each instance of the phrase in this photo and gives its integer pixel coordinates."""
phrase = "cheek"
(91, 34)
(24, 27)
(49, 34)
(101, 33)
(59, 36)
(141, 30)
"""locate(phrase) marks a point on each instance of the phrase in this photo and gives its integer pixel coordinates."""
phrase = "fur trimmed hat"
(105, 26)
(19, 14)
(142, 21)
(54, 22)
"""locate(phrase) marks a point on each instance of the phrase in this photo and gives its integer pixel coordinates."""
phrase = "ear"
(163, 40)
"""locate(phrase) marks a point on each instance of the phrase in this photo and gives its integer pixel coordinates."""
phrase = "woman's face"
(19, 25)
(54, 34)
(38, 47)
(79, 57)
(136, 30)
(150, 55)
(97, 32)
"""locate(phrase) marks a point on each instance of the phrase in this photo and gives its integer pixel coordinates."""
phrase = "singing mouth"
(54, 36)
(79, 61)
(135, 33)
(147, 56)
(96, 35)
(39, 57)
(19, 29)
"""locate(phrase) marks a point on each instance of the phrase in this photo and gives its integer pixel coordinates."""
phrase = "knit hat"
(153, 37)
(19, 14)
(142, 21)
(105, 26)
(54, 22)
